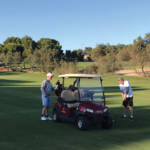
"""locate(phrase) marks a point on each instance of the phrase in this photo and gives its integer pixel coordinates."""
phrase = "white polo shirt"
(124, 86)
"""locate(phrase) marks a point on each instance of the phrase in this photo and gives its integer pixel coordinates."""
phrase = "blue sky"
(76, 23)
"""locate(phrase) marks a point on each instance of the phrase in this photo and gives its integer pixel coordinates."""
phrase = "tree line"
(110, 58)
(44, 54)
(47, 54)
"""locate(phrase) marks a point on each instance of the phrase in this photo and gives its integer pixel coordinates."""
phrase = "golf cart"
(83, 102)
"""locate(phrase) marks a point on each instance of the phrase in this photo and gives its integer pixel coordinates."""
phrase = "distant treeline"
(47, 55)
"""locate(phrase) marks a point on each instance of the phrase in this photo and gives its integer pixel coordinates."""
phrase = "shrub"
(124, 55)
(107, 64)
(92, 69)
(66, 68)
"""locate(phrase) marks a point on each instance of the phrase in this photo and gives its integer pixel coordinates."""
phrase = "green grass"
(83, 65)
(21, 128)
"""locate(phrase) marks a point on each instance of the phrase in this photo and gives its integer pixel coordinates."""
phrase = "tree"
(29, 46)
(140, 53)
(108, 63)
(45, 60)
(30, 60)
(77, 55)
(47, 43)
(7, 59)
(80, 54)
(1, 48)
(99, 51)
(102, 50)
(124, 54)
(2, 57)
(66, 67)
(13, 44)
(147, 38)
(16, 40)
(52, 46)
(68, 56)
(87, 50)
(16, 60)
(148, 52)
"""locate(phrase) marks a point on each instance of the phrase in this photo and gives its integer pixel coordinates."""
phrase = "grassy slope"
(21, 128)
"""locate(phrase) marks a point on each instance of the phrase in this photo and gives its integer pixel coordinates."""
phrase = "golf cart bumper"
(95, 118)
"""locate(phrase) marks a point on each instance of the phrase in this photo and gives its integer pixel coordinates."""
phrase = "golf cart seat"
(76, 95)
(84, 95)
(69, 99)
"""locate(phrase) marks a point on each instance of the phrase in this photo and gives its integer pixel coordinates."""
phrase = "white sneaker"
(43, 118)
(124, 116)
(49, 118)
(131, 117)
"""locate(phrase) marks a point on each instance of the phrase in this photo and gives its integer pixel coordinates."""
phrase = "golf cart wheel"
(56, 116)
(107, 123)
(82, 123)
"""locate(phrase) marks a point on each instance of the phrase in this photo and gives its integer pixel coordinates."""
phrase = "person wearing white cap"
(127, 96)
(46, 88)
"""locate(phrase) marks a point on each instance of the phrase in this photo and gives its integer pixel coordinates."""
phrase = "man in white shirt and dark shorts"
(127, 96)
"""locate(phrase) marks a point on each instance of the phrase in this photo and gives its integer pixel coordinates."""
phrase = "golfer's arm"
(43, 89)
(127, 90)
(122, 94)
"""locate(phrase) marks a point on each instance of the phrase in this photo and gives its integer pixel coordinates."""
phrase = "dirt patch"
(5, 69)
(134, 72)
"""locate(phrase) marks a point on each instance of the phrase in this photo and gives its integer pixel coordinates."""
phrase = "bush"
(108, 64)
(92, 69)
(124, 55)
(66, 68)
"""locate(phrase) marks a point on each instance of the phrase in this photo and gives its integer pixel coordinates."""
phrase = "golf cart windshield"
(87, 87)
(90, 89)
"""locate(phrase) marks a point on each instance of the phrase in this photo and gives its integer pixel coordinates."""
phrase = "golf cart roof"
(80, 76)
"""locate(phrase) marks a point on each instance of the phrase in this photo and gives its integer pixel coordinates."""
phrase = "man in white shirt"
(127, 97)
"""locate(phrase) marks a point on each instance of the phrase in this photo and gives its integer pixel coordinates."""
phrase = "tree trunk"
(143, 71)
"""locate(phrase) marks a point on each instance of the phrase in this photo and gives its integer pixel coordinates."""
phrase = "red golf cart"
(83, 102)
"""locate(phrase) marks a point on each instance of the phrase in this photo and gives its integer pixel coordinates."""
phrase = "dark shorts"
(128, 102)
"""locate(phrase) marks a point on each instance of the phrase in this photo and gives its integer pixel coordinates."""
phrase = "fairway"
(22, 129)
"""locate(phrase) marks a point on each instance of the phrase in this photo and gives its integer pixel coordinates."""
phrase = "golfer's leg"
(44, 104)
(131, 110)
(44, 111)
(131, 107)
(48, 104)
(125, 110)
(124, 103)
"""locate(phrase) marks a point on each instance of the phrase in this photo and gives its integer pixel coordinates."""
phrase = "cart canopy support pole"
(103, 94)
(78, 85)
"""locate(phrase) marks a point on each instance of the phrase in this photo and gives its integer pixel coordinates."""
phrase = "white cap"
(120, 79)
(49, 74)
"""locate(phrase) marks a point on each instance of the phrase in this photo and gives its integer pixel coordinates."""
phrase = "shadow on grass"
(123, 134)
(11, 73)
(4, 82)
(114, 89)
(114, 92)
